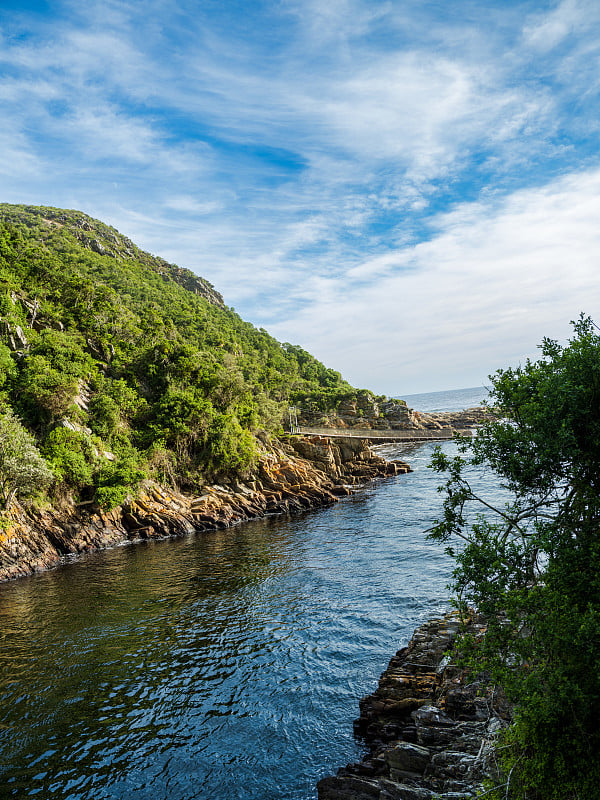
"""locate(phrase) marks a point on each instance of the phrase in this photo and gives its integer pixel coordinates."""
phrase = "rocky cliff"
(290, 477)
(430, 733)
(366, 411)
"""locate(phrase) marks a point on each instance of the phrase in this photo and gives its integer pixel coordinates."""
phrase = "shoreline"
(430, 732)
(291, 477)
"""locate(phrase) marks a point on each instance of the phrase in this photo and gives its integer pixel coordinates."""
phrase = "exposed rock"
(74, 426)
(82, 398)
(429, 733)
(468, 418)
(367, 413)
(98, 247)
(284, 482)
(362, 412)
(407, 759)
(13, 335)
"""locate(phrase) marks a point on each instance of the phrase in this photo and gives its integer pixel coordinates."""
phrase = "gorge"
(145, 409)
(216, 665)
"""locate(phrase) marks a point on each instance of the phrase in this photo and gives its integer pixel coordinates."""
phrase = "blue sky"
(408, 189)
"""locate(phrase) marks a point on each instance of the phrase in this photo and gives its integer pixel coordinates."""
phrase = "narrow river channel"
(219, 666)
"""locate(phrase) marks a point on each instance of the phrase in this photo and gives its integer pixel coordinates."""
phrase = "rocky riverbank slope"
(289, 477)
(430, 733)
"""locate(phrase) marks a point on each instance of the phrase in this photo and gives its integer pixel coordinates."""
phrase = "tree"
(23, 471)
(72, 456)
(46, 393)
(531, 565)
(8, 369)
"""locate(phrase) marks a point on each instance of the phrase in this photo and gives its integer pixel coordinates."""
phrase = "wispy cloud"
(570, 17)
(480, 294)
(327, 165)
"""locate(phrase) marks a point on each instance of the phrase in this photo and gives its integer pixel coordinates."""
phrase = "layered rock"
(363, 411)
(289, 478)
(367, 412)
(456, 420)
(430, 733)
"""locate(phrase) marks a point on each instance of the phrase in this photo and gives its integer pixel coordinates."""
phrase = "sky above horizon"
(410, 190)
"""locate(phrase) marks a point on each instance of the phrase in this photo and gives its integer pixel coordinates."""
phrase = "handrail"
(413, 434)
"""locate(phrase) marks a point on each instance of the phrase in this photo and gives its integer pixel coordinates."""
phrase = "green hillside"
(116, 365)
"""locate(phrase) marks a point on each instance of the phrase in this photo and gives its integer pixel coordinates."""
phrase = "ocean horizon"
(448, 400)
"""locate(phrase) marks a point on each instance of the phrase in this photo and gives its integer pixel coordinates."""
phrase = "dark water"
(226, 665)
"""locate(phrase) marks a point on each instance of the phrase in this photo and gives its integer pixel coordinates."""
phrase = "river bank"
(290, 476)
(223, 664)
(430, 732)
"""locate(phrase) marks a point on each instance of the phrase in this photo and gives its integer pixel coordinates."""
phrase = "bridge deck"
(383, 435)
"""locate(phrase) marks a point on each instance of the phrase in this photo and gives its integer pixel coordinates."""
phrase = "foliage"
(45, 393)
(23, 471)
(117, 479)
(142, 353)
(531, 565)
(230, 448)
(8, 369)
(71, 455)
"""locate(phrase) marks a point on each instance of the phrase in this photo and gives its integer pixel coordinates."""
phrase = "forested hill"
(116, 365)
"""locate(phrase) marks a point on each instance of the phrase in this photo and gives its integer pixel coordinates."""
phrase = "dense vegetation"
(115, 365)
(531, 566)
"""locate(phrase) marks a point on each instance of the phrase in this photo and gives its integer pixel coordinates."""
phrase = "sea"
(451, 400)
(221, 665)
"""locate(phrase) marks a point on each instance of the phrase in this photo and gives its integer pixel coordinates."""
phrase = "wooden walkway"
(382, 436)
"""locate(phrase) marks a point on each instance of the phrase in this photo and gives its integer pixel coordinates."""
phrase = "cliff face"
(290, 477)
(363, 411)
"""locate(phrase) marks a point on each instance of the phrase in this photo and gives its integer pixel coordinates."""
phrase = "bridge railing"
(389, 435)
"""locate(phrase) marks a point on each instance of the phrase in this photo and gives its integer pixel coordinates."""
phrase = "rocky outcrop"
(13, 335)
(367, 412)
(430, 733)
(363, 411)
(290, 477)
(456, 420)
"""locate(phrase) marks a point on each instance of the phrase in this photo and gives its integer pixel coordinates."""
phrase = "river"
(219, 666)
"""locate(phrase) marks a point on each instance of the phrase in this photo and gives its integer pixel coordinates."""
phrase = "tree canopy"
(531, 565)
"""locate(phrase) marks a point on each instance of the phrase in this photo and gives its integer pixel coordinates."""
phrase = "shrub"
(23, 470)
(71, 455)
(531, 565)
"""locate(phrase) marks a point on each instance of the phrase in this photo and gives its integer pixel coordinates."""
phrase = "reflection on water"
(227, 665)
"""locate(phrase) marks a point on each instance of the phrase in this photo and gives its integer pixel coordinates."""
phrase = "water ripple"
(221, 666)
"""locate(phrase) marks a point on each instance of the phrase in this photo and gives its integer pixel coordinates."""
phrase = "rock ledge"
(429, 733)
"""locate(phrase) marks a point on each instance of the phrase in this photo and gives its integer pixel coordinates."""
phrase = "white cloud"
(298, 166)
(549, 30)
(410, 112)
(189, 204)
(480, 295)
(567, 38)
(18, 160)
